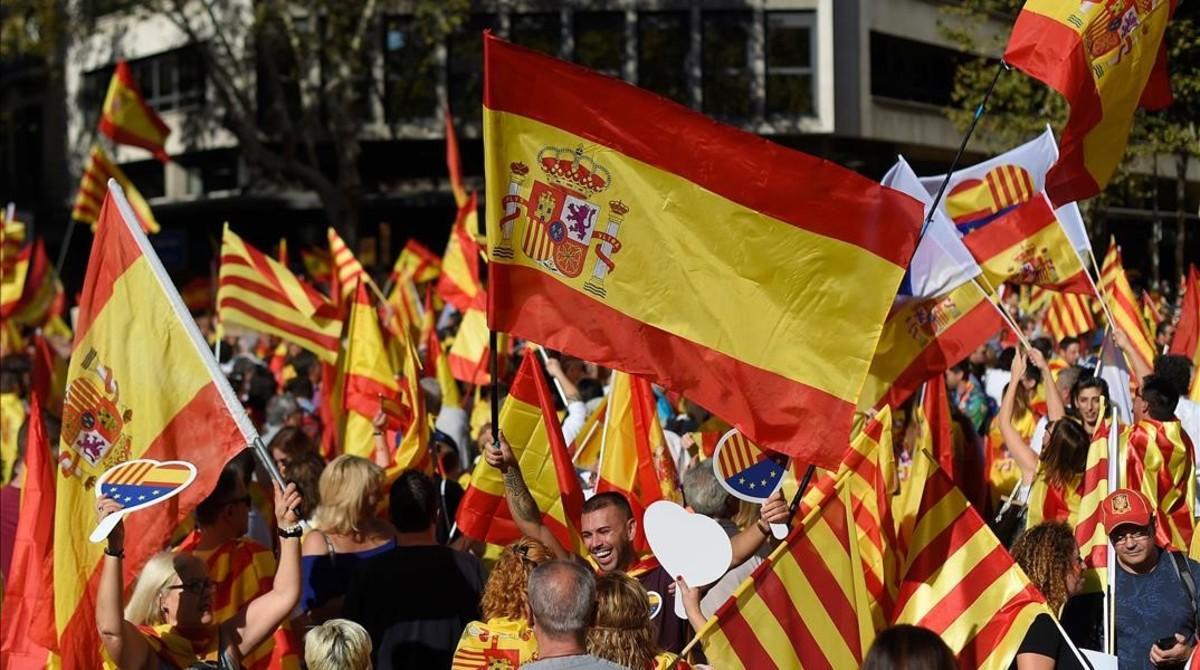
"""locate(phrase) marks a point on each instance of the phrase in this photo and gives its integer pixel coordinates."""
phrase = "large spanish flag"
(635, 233)
(805, 606)
(1099, 56)
(255, 291)
(530, 424)
(142, 383)
(93, 189)
(126, 118)
(1027, 245)
(922, 338)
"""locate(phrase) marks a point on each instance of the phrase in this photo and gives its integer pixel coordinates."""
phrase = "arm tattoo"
(520, 501)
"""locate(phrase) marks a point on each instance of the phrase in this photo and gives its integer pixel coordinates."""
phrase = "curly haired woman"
(1049, 555)
(504, 606)
(622, 632)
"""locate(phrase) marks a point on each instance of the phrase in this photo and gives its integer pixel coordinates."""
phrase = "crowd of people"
(354, 566)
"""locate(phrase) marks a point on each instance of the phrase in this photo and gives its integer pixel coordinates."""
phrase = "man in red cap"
(1156, 587)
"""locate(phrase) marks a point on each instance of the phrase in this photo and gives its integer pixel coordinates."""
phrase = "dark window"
(410, 85)
(277, 80)
(909, 70)
(600, 41)
(664, 39)
(92, 91)
(791, 56)
(215, 170)
(541, 32)
(464, 67)
(725, 66)
(149, 176)
(171, 80)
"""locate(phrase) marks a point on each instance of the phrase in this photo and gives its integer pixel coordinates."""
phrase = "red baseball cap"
(1125, 506)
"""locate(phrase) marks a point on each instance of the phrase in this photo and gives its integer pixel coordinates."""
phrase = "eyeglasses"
(1136, 533)
(196, 588)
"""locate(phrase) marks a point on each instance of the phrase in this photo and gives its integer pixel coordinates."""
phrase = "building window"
(171, 80)
(410, 82)
(600, 41)
(541, 32)
(664, 39)
(909, 70)
(277, 80)
(791, 55)
(725, 64)
(464, 67)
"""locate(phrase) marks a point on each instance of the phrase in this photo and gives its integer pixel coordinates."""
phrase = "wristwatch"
(294, 531)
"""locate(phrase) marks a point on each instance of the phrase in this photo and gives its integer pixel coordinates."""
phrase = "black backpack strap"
(1180, 563)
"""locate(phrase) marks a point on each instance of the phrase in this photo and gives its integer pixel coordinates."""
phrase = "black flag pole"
(804, 482)
(494, 367)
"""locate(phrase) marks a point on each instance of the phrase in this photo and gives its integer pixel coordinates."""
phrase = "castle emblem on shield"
(94, 422)
(562, 216)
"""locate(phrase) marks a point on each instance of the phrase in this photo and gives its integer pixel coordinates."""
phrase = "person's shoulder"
(581, 662)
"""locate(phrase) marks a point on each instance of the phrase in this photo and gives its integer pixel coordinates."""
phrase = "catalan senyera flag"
(257, 292)
(805, 606)
(27, 632)
(1078, 505)
(530, 424)
(126, 118)
(922, 338)
(1069, 315)
(1156, 459)
(140, 362)
(454, 161)
(1099, 56)
(1187, 331)
(634, 458)
(1122, 302)
(591, 216)
(347, 271)
(93, 189)
(957, 579)
(1027, 245)
(459, 282)
(367, 371)
(242, 570)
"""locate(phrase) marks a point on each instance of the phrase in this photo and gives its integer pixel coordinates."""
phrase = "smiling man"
(1155, 587)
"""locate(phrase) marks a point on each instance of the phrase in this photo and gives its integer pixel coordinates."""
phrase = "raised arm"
(1140, 368)
(525, 512)
(747, 542)
(380, 454)
(1024, 456)
(1055, 408)
(260, 617)
(120, 638)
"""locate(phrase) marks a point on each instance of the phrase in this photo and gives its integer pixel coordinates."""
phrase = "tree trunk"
(1181, 167)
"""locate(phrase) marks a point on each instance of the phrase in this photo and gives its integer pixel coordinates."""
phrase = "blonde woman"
(169, 620)
(346, 533)
(504, 605)
(337, 644)
(621, 632)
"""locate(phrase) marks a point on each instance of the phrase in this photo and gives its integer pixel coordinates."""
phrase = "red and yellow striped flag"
(637, 187)
(257, 292)
(1100, 56)
(139, 360)
(1028, 246)
(634, 458)
(922, 338)
(1187, 331)
(93, 190)
(27, 632)
(805, 606)
(459, 283)
(530, 424)
(1156, 459)
(242, 570)
(126, 118)
(1123, 304)
(367, 372)
(1069, 315)
(1079, 506)
(347, 272)
(957, 579)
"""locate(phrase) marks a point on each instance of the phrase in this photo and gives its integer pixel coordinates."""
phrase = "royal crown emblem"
(94, 422)
(1120, 503)
(561, 218)
(931, 318)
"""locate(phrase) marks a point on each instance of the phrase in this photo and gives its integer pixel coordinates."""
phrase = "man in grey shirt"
(562, 602)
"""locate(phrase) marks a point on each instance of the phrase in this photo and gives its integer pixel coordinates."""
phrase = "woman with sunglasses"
(169, 620)
(1052, 473)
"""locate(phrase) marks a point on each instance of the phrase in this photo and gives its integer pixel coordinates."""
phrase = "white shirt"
(573, 423)
(1188, 413)
(994, 381)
